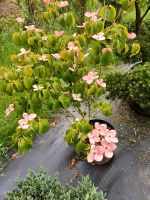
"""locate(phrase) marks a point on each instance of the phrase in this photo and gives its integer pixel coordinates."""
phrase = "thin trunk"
(138, 16)
(119, 12)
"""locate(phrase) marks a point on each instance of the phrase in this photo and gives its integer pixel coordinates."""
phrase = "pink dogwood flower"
(43, 58)
(111, 137)
(81, 26)
(20, 20)
(76, 97)
(24, 122)
(47, 1)
(63, 4)
(94, 136)
(38, 30)
(37, 87)
(95, 154)
(90, 77)
(99, 126)
(29, 117)
(73, 68)
(30, 27)
(91, 14)
(44, 38)
(100, 36)
(108, 148)
(23, 51)
(73, 46)
(101, 83)
(59, 33)
(9, 109)
(131, 36)
(56, 55)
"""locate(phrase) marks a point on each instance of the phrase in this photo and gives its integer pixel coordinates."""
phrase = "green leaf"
(18, 85)
(27, 71)
(43, 126)
(82, 147)
(28, 82)
(9, 88)
(24, 144)
(108, 13)
(135, 49)
(65, 101)
(105, 108)
(107, 58)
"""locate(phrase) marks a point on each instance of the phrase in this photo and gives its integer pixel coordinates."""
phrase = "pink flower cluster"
(103, 143)
(26, 118)
(92, 15)
(91, 76)
(32, 28)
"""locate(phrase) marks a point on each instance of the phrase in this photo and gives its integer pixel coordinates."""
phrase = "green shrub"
(134, 85)
(43, 187)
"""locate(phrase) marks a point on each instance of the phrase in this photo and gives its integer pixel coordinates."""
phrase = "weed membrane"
(126, 177)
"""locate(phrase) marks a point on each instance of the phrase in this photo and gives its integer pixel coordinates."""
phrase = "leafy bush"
(134, 85)
(43, 187)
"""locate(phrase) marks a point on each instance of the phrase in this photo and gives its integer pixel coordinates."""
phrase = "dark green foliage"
(134, 85)
(43, 187)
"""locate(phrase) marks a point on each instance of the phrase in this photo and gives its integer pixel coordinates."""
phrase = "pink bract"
(9, 109)
(94, 137)
(90, 77)
(100, 36)
(59, 33)
(95, 154)
(47, 1)
(101, 83)
(20, 20)
(131, 36)
(63, 4)
(30, 27)
(56, 55)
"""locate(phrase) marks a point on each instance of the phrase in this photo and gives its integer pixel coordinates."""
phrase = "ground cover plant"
(40, 186)
(62, 68)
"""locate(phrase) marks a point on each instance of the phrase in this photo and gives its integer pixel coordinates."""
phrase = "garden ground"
(7, 8)
(125, 177)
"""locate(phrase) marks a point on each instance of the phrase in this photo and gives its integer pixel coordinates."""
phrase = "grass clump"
(42, 187)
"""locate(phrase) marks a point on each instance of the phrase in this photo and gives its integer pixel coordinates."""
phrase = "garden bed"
(7, 8)
(126, 177)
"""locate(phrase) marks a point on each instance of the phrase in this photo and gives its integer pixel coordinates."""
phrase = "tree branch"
(148, 9)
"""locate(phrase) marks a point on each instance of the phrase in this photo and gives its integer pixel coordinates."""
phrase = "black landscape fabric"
(126, 177)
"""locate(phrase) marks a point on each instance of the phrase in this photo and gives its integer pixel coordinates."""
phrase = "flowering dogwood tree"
(63, 67)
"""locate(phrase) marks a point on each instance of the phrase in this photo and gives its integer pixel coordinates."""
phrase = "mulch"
(7, 8)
